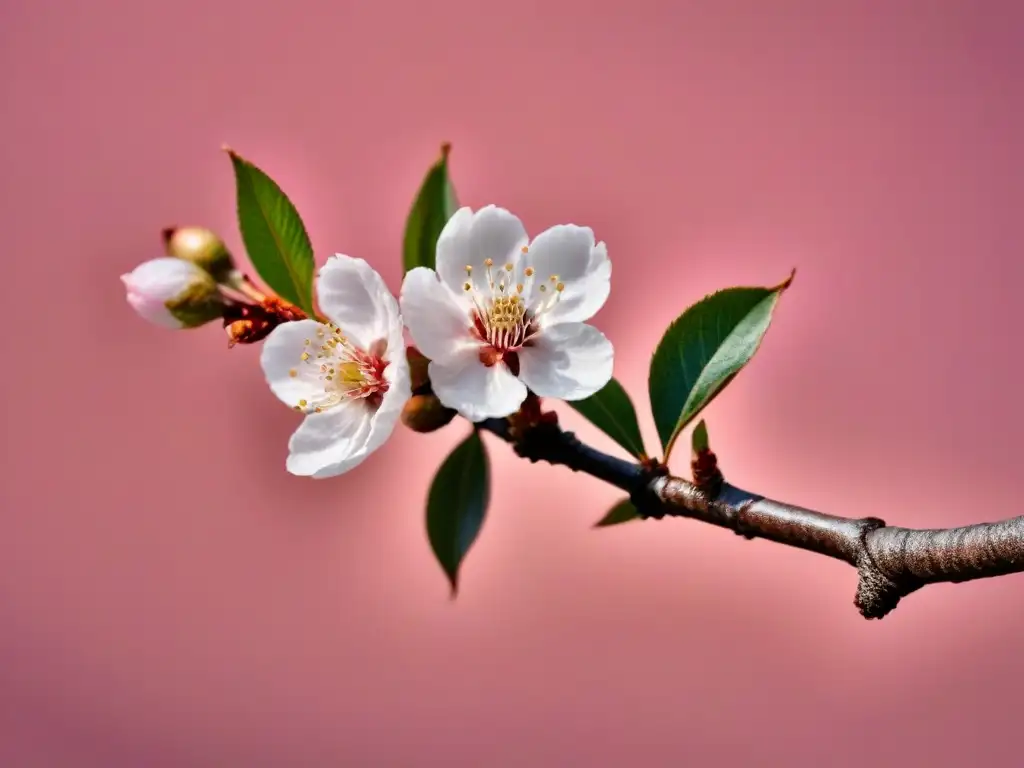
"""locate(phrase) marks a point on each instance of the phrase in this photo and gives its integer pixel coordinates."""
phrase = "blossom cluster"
(500, 316)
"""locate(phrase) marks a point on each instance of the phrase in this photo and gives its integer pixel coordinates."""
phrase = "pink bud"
(173, 293)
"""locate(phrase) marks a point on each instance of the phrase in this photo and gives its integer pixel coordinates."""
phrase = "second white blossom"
(502, 316)
(349, 377)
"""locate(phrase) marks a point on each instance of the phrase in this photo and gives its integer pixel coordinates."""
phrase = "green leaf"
(457, 505)
(274, 235)
(699, 440)
(434, 205)
(701, 352)
(611, 411)
(622, 512)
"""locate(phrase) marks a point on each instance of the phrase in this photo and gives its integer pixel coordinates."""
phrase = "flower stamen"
(346, 372)
(505, 312)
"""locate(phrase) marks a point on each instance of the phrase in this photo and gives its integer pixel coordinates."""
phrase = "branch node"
(868, 524)
(647, 498)
(740, 525)
(878, 593)
(544, 441)
(706, 474)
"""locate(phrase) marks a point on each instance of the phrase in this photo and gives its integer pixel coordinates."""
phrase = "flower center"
(346, 372)
(507, 306)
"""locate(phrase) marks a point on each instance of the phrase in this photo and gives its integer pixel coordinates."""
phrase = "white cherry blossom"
(350, 376)
(502, 316)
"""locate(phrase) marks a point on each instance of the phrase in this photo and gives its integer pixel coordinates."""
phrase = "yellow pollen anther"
(525, 249)
(350, 372)
(306, 342)
(302, 403)
(560, 287)
(488, 262)
(305, 356)
(529, 272)
(553, 278)
(293, 373)
(467, 287)
(508, 267)
(317, 409)
(519, 288)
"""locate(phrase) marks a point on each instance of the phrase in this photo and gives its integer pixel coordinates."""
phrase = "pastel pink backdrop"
(169, 596)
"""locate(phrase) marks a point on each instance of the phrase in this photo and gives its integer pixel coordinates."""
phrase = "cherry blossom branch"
(701, 351)
(891, 562)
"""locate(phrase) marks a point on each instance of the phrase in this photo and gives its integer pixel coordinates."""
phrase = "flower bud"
(202, 247)
(417, 368)
(173, 293)
(424, 413)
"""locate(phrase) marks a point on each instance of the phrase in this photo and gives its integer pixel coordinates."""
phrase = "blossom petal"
(155, 312)
(569, 252)
(453, 248)
(282, 354)
(476, 391)
(582, 298)
(569, 361)
(331, 442)
(354, 297)
(165, 278)
(438, 323)
(469, 239)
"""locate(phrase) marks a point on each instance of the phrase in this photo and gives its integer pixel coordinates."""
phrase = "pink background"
(169, 596)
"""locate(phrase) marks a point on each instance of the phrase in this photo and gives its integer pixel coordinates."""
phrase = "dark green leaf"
(699, 440)
(622, 512)
(274, 235)
(457, 504)
(702, 350)
(611, 411)
(434, 205)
